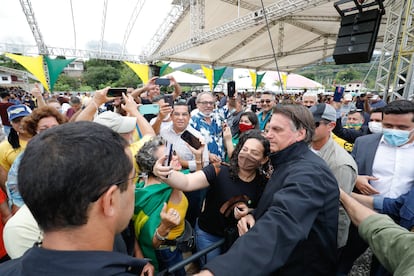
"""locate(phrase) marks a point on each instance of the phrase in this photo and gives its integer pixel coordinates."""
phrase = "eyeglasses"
(267, 101)
(95, 198)
(206, 103)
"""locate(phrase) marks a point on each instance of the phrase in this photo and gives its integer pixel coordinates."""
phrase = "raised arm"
(131, 107)
(177, 87)
(98, 99)
(356, 211)
(184, 182)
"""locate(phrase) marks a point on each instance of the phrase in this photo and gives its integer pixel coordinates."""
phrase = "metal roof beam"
(69, 53)
(31, 20)
(246, 41)
(275, 11)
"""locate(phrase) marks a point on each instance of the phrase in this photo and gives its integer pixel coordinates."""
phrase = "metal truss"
(105, 8)
(388, 56)
(403, 85)
(274, 11)
(31, 20)
(197, 11)
(70, 53)
(166, 28)
(131, 23)
(242, 4)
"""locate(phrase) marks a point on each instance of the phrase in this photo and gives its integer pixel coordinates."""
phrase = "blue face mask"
(396, 137)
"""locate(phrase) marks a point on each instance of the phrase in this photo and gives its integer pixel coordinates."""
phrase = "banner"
(256, 79)
(34, 65)
(208, 72)
(165, 66)
(253, 76)
(284, 80)
(218, 73)
(142, 70)
(55, 67)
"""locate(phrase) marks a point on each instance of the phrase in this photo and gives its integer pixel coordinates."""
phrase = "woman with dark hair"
(233, 190)
(248, 120)
(159, 216)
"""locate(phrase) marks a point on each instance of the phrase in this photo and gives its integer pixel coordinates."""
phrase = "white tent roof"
(187, 79)
(233, 33)
(303, 32)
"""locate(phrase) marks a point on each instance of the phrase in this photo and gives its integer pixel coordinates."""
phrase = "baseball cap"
(323, 111)
(18, 110)
(115, 121)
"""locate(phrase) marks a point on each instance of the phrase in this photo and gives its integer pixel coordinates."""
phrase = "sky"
(54, 18)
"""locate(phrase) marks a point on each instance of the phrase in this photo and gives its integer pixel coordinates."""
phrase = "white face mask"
(375, 127)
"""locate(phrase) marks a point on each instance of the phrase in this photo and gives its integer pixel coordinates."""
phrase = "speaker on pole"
(357, 36)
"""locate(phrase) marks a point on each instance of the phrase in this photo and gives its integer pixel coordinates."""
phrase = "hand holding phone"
(169, 153)
(168, 98)
(116, 92)
(162, 81)
(338, 94)
(191, 139)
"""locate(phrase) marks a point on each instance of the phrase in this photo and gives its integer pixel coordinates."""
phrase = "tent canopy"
(186, 79)
(236, 33)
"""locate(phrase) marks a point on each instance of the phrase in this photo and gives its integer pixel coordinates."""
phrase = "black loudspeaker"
(154, 70)
(231, 88)
(357, 36)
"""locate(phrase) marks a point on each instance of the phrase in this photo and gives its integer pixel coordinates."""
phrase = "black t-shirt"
(222, 188)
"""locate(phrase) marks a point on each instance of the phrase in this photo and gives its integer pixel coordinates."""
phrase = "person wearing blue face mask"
(383, 166)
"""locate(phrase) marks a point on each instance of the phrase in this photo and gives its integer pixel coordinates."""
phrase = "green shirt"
(391, 244)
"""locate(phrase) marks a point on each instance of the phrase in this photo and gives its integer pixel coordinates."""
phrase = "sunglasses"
(267, 101)
(317, 124)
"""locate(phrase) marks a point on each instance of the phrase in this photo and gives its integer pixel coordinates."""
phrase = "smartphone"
(149, 109)
(338, 94)
(254, 108)
(162, 81)
(116, 92)
(231, 89)
(169, 99)
(169, 153)
(191, 139)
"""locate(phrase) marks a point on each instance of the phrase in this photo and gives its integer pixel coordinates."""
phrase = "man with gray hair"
(293, 230)
(309, 99)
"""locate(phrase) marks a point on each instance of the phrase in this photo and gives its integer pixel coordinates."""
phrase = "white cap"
(116, 122)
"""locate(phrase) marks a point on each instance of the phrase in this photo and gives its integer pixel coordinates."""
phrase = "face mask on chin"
(247, 162)
(354, 126)
(375, 127)
(396, 137)
(204, 115)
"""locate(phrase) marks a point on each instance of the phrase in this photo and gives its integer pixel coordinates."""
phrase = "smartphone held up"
(116, 92)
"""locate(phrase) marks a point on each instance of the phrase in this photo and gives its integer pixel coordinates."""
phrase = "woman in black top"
(233, 190)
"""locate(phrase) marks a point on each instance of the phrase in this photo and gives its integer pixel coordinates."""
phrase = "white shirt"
(181, 148)
(394, 168)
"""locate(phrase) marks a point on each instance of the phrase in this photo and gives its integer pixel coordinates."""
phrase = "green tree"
(128, 78)
(101, 76)
(347, 75)
(67, 83)
(188, 70)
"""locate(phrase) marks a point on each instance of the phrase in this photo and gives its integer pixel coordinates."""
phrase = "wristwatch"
(159, 237)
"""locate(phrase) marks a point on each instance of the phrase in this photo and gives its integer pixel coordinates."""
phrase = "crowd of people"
(292, 184)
